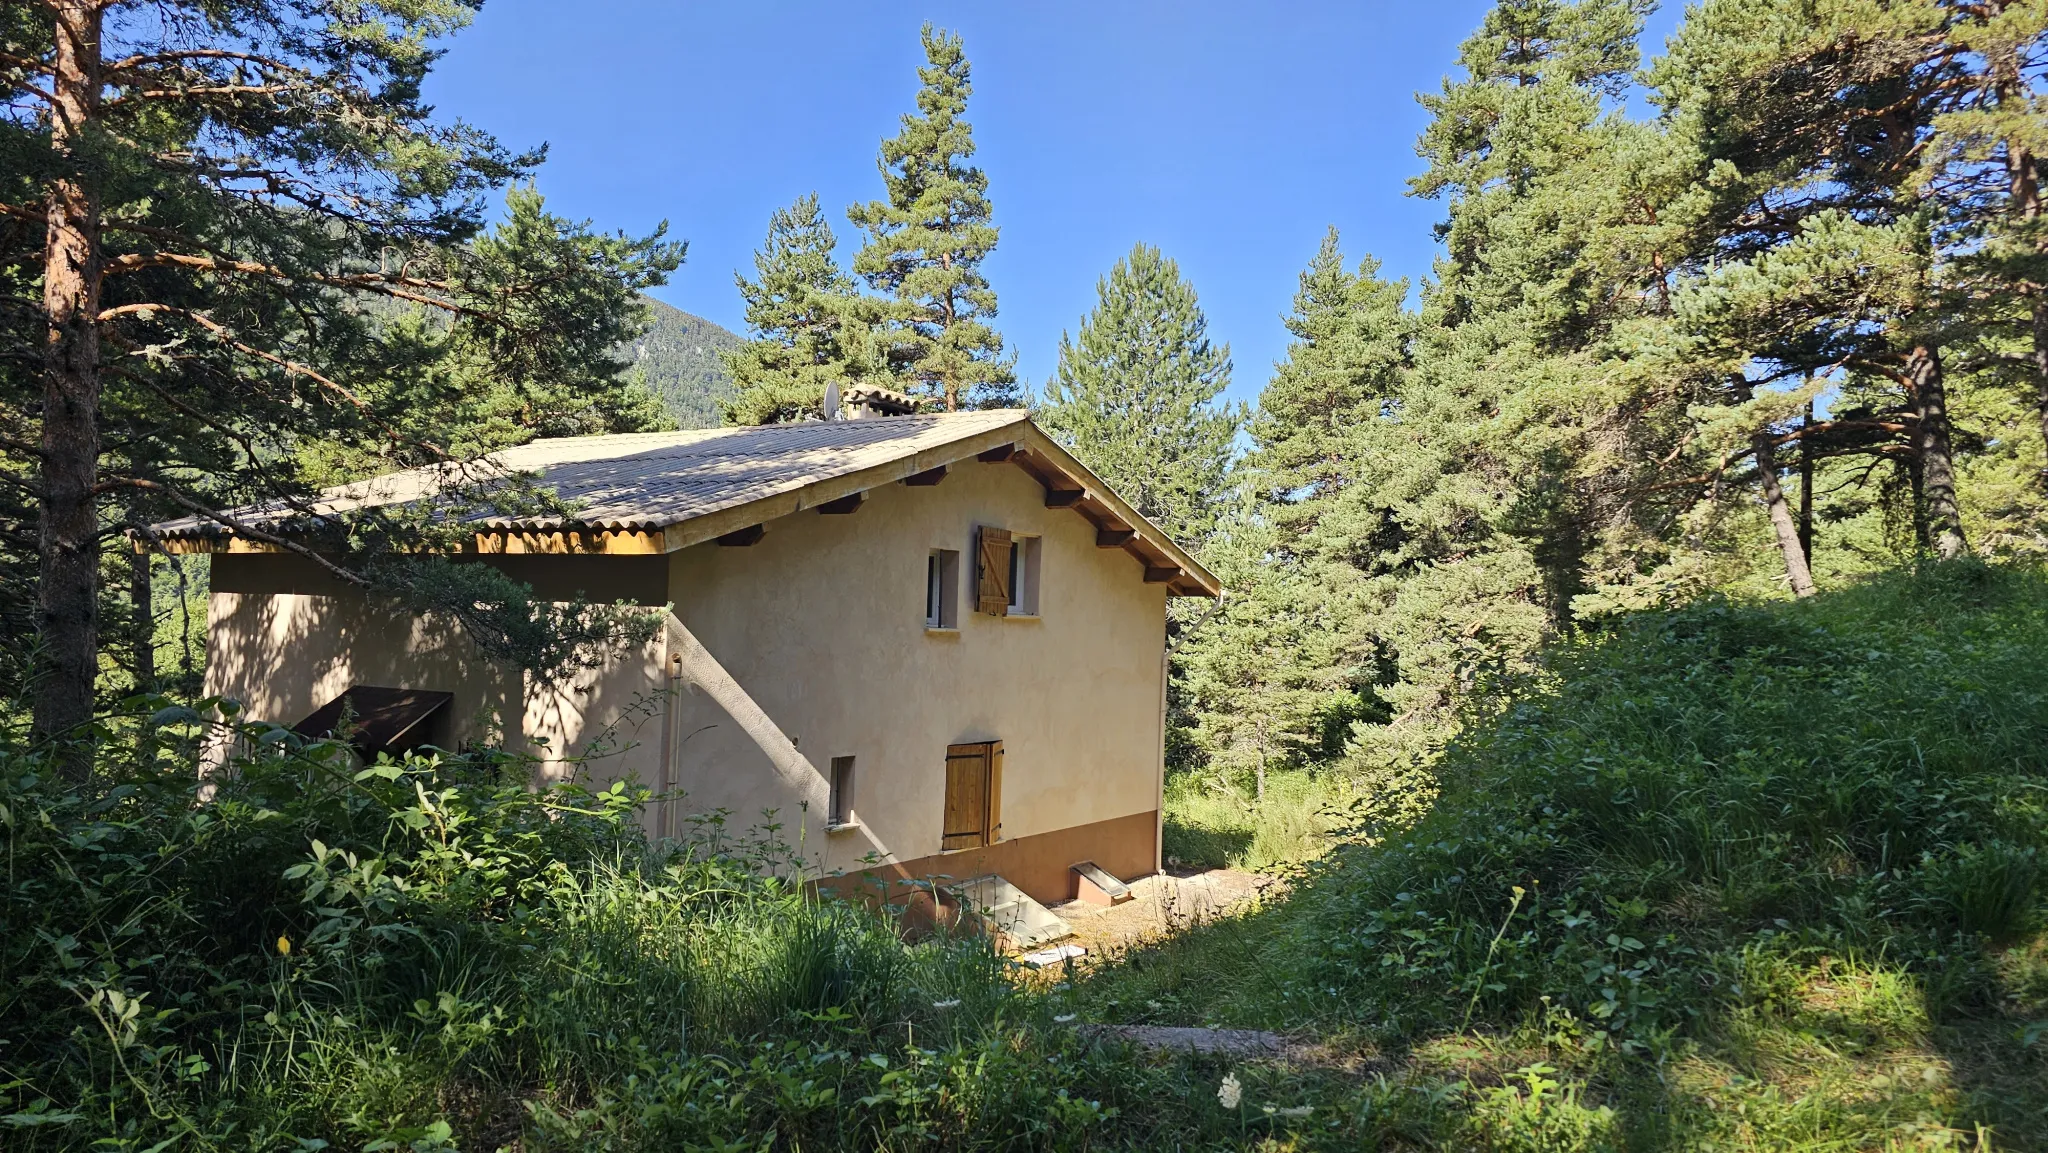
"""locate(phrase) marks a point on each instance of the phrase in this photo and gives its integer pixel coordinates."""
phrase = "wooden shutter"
(992, 570)
(995, 791)
(967, 795)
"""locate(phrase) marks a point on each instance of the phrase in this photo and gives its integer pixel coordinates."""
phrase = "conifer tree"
(1286, 665)
(472, 386)
(805, 319)
(1342, 372)
(1267, 680)
(1134, 395)
(1816, 253)
(1460, 529)
(218, 209)
(926, 242)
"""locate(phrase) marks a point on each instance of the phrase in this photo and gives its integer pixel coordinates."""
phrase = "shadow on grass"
(1724, 878)
(1203, 846)
(1217, 972)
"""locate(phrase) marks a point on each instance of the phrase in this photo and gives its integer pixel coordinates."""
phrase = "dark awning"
(379, 720)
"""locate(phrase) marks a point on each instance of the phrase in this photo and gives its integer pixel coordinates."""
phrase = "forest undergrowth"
(1726, 876)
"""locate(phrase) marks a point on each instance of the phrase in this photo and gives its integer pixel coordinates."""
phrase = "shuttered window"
(941, 589)
(974, 795)
(992, 574)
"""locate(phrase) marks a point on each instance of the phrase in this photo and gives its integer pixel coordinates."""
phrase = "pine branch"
(296, 368)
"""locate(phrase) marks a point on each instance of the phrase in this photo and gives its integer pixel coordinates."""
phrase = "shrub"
(1856, 775)
(431, 954)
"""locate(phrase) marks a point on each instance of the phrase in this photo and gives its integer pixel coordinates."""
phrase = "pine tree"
(536, 354)
(1267, 681)
(1342, 372)
(1464, 526)
(806, 321)
(1817, 256)
(1135, 396)
(1287, 664)
(225, 206)
(926, 243)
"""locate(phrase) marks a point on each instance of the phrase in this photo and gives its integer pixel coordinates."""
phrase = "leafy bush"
(1858, 776)
(431, 954)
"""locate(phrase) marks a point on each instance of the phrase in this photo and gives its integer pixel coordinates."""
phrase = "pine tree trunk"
(1261, 783)
(2024, 197)
(1923, 539)
(1781, 518)
(1937, 460)
(1806, 487)
(68, 655)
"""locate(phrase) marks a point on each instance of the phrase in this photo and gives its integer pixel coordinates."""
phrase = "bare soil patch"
(1160, 906)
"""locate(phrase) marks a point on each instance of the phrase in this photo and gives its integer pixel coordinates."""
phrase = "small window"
(841, 802)
(941, 589)
(1024, 554)
(974, 796)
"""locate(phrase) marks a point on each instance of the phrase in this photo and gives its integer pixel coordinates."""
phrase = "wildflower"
(1230, 1092)
(952, 1004)
(1063, 1018)
(284, 946)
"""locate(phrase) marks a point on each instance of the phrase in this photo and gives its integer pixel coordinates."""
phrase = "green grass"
(1732, 876)
(431, 956)
(1213, 824)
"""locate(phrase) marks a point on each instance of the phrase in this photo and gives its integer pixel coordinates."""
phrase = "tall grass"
(1864, 774)
(430, 955)
(1214, 824)
(1728, 876)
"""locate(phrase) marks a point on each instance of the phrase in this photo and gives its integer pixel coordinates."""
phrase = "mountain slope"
(678, 361)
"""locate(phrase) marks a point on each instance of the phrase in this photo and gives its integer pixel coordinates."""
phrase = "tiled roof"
(651, 480)
(692, 486)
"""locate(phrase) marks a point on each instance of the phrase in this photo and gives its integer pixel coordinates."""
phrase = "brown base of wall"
(1041, 864)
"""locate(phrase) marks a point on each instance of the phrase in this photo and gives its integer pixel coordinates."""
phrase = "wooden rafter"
(742, 538)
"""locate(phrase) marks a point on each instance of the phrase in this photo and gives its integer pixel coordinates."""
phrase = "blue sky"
(1230, 135)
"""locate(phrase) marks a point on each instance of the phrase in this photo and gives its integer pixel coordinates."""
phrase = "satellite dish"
(832, 400)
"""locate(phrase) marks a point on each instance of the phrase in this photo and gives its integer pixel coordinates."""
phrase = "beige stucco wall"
(822, 624)
(284, 654)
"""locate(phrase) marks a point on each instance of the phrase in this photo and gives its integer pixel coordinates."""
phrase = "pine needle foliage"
(926, 241)
(222, 220)
(1778, 333)
(805, 323)
(1134, 395)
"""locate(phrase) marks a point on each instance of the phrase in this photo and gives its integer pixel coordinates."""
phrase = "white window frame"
(942, 589)
(1026, 556)
(841, 787)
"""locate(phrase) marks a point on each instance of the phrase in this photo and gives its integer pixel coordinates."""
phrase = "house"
(928, 644)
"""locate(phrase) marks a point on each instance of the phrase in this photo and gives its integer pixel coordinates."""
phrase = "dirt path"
(1160, 906)
(1227, 1042)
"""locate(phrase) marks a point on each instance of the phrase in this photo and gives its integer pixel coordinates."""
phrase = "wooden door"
(974, 787)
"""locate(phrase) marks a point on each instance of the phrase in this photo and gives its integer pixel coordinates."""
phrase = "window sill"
(1022, 617)
(936, 631)
(842, 826)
